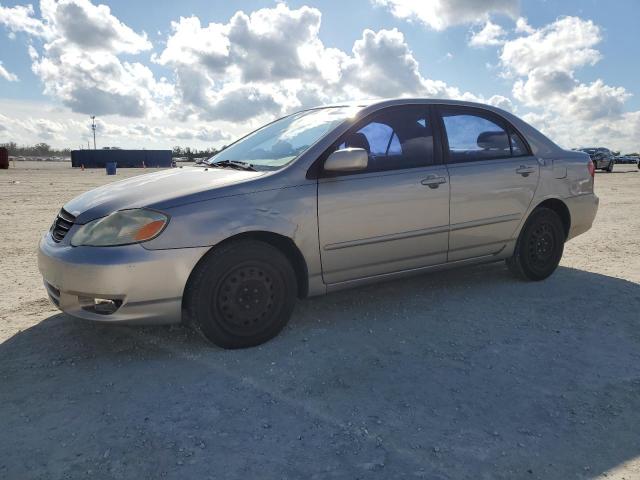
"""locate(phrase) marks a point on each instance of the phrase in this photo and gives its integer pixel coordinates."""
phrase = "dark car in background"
(602, 158)
(627, 159)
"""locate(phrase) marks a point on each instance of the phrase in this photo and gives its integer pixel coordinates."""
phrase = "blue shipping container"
(124, 158)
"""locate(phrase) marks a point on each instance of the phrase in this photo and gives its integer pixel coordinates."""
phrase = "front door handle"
(525, 170)
(433, 181)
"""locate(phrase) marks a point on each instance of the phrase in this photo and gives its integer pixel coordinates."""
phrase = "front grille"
(63, 222)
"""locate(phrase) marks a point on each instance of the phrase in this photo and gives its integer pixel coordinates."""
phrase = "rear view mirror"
(347, 160)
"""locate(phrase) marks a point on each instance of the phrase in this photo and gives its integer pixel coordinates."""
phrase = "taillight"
(592, 169)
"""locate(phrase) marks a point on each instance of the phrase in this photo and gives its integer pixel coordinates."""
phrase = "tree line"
(193, 154)
(45, 150)
(37, 150)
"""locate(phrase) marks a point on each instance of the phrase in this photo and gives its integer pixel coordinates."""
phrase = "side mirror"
(347, 160)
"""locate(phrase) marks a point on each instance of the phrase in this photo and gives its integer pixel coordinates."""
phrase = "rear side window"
(395, 139)
(474, 137)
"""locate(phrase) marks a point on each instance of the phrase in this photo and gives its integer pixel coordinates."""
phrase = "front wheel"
(539, 247)
(610, 167)
(241, 294)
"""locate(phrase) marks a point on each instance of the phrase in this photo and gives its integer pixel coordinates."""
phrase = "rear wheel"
(539, 247)
(241, 294)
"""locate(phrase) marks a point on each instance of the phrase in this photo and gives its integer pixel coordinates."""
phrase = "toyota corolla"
(321, 200)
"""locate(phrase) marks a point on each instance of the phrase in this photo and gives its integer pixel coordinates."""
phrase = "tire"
(241, 294)
(610, 167)
(539, 247)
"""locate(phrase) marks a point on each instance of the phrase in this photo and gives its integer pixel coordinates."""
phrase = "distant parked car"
(627, 159)
(602, 158)
(318, 201)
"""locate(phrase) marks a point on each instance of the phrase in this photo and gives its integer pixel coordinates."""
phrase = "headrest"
(493, 140)
(358, 140)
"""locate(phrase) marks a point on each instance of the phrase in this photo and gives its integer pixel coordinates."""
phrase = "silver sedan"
(321, 200)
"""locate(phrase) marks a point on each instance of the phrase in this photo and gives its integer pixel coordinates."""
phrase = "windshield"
(277, 144)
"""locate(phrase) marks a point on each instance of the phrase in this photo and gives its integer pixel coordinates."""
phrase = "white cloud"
(32, 122)
(266, 62)
(229, 76)
(522, 26)
(563, 45)
(543, 63)
(440, 14)
(383, 66)
(541, 86)
(7, 75)
(90, 27)
(99, 84)
(490, 35)
(596, 101)
(502, 102)
(21, 19)
(252, 68)
(79, 63)
(272, 61)
(619, 132)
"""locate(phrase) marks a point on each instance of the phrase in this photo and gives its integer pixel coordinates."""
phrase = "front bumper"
(145, 285)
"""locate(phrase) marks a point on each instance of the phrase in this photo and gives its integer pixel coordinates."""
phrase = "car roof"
(386, 102)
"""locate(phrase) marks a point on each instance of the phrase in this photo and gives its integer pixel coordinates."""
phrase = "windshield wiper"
(236, 164)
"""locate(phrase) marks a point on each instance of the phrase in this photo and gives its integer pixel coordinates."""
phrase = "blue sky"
(587, 96)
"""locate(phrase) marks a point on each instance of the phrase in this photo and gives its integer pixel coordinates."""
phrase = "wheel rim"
(542, 246)
(247, 298)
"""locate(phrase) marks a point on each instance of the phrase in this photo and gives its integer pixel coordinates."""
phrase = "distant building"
(123, 158)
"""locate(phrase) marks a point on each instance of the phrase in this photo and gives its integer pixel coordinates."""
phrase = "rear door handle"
(433, 181)
(525, 170)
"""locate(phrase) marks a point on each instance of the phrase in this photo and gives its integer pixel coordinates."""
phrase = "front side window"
(279, 143)
(473, 137)
(518, 148)
(395, 139)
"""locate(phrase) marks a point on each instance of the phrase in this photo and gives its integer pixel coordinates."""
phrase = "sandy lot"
(456, 375)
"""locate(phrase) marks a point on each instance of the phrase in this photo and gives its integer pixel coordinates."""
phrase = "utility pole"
(93, 127)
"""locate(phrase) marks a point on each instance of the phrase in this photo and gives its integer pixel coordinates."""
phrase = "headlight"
(121, 228)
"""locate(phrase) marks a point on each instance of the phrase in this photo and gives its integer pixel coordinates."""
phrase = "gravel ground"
(465, 374)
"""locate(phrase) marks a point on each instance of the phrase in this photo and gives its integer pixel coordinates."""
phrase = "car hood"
(152, 188)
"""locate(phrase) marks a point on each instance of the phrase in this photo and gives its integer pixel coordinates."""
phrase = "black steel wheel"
(539, 247)
(241, 294)
(246, 297)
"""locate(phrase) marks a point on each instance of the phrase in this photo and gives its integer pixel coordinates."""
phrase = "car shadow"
(460, 374)
(631, 170)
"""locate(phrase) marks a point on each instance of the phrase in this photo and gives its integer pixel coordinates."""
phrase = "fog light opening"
(103, 306)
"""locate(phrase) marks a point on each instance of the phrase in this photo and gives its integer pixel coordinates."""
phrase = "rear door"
(493, 179)
(394, 215)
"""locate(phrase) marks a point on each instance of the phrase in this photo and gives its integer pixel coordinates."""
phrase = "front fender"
(290, 212)
(286, 211)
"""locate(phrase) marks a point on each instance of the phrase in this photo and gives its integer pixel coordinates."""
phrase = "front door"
(493, 180)
(394, 215)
